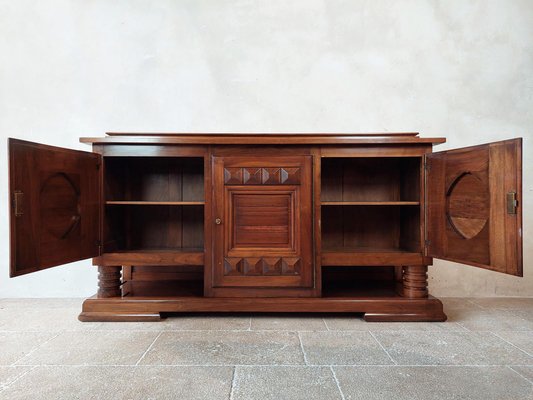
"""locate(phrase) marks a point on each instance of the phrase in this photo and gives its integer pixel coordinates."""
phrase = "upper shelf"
(261, 138)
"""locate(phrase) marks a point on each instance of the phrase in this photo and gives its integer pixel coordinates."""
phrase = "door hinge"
(512, 203)
(428, 242)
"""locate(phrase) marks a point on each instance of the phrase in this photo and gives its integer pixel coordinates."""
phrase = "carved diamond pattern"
(233, 176)
(237, 266)
(252, 266)
(271, 176)
(262, 176)
(232, 266)
(291, 266)
(252, 176)
(290, 175)
(272, 266)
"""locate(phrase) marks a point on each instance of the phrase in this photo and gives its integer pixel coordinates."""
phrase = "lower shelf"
(185, 256)
(370, 257)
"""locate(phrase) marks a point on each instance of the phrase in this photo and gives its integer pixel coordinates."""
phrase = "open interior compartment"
(155, 227)
(381, 179)
(154, 204)
(371, 205)
(359, 281)
(154, 179)
(370, 228)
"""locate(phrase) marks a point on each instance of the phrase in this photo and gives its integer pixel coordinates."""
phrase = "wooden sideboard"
(265, 222)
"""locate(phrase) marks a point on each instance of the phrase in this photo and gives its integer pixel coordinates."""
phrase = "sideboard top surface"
(405, 138)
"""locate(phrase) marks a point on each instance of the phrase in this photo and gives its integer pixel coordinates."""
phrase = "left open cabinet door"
(54, 206)
(474, 206)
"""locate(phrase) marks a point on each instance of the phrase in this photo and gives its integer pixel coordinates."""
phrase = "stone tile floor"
(484, 351)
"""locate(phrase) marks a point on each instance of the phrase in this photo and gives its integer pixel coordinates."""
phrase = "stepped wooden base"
(387, 309)
(118, 316)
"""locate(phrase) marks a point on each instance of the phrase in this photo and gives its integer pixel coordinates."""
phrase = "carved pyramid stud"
(291, 266)
(233, 176)
(271, 266)
(290, 175)
(252, 266)
(232, 266)
(252, 176)
(271, 176)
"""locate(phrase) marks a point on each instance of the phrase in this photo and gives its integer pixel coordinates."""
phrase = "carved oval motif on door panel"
(467, 205)
(59, 203)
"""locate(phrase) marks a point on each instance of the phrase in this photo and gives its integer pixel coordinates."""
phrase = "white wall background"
(454, 68)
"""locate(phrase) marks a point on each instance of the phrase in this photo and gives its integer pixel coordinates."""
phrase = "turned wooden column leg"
(415, 281)
(109, 281)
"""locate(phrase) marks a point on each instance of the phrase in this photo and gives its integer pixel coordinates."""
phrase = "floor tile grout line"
(232, 389)
(512, 344)
(250, 324)
(519, 374)
(383, 348)
(465, 328)
(476, 304)
(19, 377)
(337, 382)
(149, 348)
(36, 348)
(302, 348)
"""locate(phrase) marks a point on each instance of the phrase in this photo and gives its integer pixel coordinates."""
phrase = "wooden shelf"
(370, 203)
(165, 256)
(371, 256)
(155, 203)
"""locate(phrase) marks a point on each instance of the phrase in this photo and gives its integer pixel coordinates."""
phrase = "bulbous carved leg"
(109, 281)
(415, 281)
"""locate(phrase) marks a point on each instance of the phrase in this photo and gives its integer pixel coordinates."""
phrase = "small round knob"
(218, 221)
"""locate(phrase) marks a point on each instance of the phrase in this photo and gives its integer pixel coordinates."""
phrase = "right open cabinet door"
(474, 206)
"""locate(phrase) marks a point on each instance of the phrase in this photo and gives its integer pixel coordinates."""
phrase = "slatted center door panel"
(263, 223)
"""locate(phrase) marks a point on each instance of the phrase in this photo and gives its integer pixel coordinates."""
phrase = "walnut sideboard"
(265, 222)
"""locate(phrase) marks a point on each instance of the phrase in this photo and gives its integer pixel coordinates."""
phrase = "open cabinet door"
(55, 206)
(474, 205)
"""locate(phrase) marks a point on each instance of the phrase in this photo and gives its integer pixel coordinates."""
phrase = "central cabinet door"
(263, 239)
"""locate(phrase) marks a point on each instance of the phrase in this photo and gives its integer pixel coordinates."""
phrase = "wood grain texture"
(270, 222)
(55, 193)
(364, 257)
(184, 256)
(109, 281)
(264, 238)
(392, 308)
(415, 281)
(469, 223)
(260, 139)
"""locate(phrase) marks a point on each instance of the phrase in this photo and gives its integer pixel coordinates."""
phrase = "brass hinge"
(18, 203)
(512, 203)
